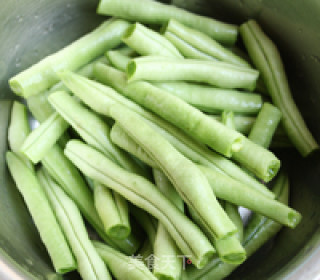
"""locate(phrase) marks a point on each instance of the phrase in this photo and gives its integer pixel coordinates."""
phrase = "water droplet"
(69, 5)
(300, 30)
(36, 16)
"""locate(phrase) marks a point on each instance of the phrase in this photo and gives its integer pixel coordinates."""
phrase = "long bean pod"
(121, 266)
(214, 100)
(259, 230)
(147, 11)
(165, 248)
(143, 194)
(148, 42)
(41, 140)
(100, 97)
(90, 264)
(113, 212)
(42, 214)
(203, 43)
(266, 58)
(42, 75)
(69, 178)
(215, 73)
(239, 194)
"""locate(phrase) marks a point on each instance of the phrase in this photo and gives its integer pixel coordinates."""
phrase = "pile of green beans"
(155, 137)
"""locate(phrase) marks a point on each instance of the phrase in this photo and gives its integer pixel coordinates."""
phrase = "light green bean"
(42, 75)
(42, 214)
(214, 100)
(147, 11)
(266, 58)
(216, 73)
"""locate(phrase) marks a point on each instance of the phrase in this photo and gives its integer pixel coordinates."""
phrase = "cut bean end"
(119, 232)
(16, 87)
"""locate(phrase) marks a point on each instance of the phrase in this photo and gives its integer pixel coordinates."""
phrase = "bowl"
(30, 30)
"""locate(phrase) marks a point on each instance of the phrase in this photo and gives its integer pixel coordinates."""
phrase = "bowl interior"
(34, 29)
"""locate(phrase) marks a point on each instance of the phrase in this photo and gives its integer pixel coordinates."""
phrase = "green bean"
(68, 177)
(118, 60)
(258, 160)
(145, 195)
(148, 42)
(147, 11)
(41, 140)
(90, 265)
(186, 49)
(42, 75)
(257, 233)
(113, 212)
(42, 214)
(121, 266)
(214, 100)
(216, 73)
(239, 194)
(148, 223)
(266, 58)
(189, 181)
(265, 125)
(203, 43)
(99, 98)
(39, 105)
(18, 130)
(165, 248)
(91, 128)
(124, 141)
(227, 118)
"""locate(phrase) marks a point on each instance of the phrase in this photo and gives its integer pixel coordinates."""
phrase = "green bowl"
(30, 30)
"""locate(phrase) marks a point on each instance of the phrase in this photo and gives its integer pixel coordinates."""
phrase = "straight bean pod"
(42, 75)
(147, 11)
(143, 194)
(239, 194)
(42, 214)
(216, 73)
(214, 100)
(266, 58)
